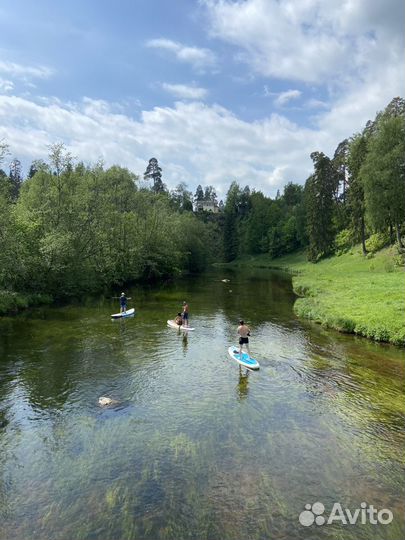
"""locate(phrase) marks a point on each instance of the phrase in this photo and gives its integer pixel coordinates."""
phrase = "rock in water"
(103, 401)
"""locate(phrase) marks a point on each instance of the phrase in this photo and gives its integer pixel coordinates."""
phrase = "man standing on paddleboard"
(184, 315)
(123, 302)
(243, 333)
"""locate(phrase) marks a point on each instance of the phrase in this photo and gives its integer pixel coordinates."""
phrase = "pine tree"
(320, 191)
(355, 194)
(15, 177)
(154, 172)
(231, 211)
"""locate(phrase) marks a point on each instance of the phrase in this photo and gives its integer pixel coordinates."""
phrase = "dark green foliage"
(320, 191)
(70, 228)
(76, 229)
(356, 203)
(182, 199)
(16, 178)
(154, 172)
(231, 222)
(383, 176)
(199, 194)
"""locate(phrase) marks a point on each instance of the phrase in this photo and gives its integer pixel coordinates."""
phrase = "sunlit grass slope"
(350, 292)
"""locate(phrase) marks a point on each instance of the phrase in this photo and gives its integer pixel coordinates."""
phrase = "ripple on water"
(194, 447)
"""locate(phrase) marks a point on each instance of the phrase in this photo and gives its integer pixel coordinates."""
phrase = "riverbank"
(349, 293)
(12, 302)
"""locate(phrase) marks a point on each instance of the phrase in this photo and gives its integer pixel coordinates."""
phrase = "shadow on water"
(195, 446)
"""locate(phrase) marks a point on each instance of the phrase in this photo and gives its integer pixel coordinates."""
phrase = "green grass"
(350, 292)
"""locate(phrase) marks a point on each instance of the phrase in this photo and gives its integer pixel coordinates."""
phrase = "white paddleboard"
(172, 324)
(126, 313)
(245, 361)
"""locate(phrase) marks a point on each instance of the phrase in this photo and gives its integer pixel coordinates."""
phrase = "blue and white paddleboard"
(172, 324)
(245, 361)
(126, 313)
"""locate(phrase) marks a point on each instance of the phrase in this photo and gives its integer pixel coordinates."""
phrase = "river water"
(195, 448)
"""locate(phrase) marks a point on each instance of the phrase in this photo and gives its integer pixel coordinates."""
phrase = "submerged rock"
(103, 401)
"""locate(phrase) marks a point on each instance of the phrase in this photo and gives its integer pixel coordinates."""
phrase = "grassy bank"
(12, 302)
(349, 292)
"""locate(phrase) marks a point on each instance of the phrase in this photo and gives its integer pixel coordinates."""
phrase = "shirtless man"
(243, 333)
(184, 315)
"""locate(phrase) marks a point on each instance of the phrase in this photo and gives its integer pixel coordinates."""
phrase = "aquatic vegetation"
(192, 449)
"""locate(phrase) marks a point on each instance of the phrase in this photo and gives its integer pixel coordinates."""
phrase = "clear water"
(195, 448)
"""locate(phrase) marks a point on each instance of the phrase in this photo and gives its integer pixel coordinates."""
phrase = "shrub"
(398, 260)
(377, 241)
(344, 241)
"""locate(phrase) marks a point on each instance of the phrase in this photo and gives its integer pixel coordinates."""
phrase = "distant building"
(207, 206)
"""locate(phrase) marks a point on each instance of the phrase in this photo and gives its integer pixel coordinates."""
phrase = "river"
(195, 448)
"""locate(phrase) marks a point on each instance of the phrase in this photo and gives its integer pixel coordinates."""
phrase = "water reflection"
(197, 447)
(185, 343)
(243, 387)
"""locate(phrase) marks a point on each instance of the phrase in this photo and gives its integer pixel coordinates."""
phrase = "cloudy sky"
(216, 90)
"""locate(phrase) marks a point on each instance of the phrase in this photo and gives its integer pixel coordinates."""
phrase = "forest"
(70, 228)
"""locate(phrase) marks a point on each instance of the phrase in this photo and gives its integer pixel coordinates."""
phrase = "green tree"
(199, 194)
(182, 198)
(154, 172)
(210, 194)
(383, 176)
(16, 178)
(320, 193)
(356, 158)
(293, 194)
(231, 211)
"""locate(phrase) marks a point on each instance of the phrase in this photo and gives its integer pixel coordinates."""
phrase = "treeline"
(357, 196)
(70, 228)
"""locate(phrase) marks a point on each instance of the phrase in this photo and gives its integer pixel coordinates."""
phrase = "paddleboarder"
(243, 333)
(123, 302)
(184, 315)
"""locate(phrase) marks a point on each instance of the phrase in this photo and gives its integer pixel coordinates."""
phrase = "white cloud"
(193, 142)
(20, 71)
(199, 58)
(311, 40)
(6, 85)
(316, 104)
(284, 97)
(183, 91)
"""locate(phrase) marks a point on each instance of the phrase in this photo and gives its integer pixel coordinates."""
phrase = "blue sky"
(216, 90)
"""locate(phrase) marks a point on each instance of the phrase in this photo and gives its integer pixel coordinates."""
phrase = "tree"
(60, 159)
(383, 176)
(210, 194)
(15, 177)
(320, 190)
(340, 163)
(154, 172)
(37, 165)
(257, 221)
(244, 203)
(182, 198)
(292, 194)
(231, 211)
(355, 194)
(199, 194)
